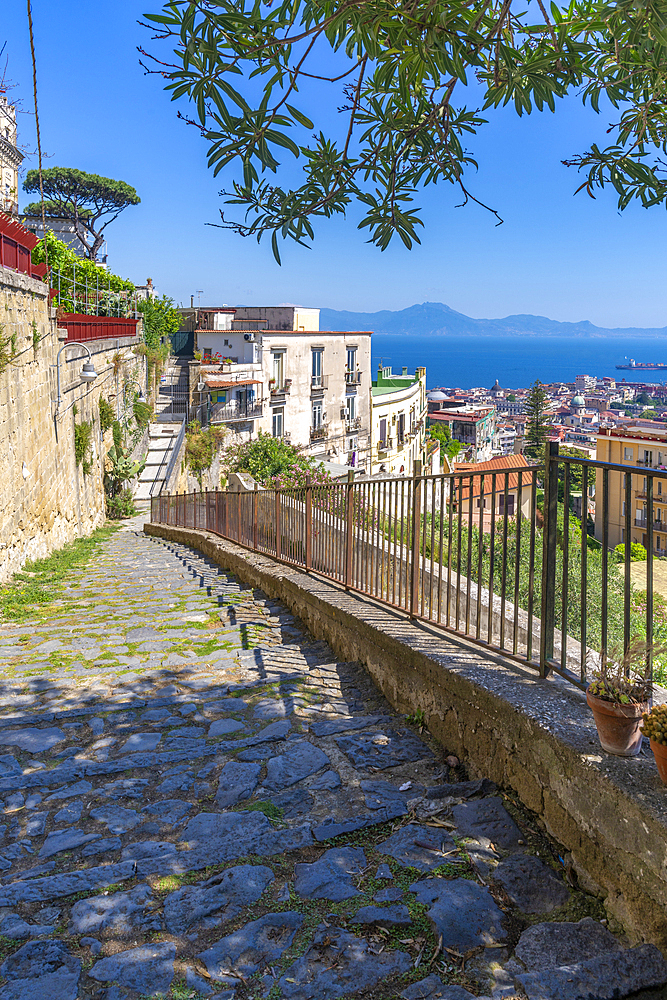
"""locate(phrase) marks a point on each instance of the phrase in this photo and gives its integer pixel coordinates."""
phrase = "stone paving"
(200, 801)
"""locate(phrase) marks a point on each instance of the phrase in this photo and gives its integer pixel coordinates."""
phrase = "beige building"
(511, 468)
(638, 448)
(398, 421)
(308, 386)
(10, 158)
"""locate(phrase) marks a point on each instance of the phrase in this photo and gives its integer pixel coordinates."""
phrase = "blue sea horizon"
(468, 362)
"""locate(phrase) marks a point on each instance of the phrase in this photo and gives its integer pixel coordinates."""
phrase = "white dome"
(436, 395)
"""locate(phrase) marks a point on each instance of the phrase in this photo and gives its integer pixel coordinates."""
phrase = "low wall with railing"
(429, 546)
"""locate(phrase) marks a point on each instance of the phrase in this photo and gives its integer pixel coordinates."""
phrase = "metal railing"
(167, 464)
(497, 557)
(76, 292)
(235, 410)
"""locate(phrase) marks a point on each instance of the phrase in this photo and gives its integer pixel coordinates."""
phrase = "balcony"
(353, 378)
(222, 413)
(318, 433)
(318, 383)
(641, 522)
(353, 424)
(278, 389)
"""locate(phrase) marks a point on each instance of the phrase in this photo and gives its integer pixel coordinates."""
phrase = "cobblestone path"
(199, 800)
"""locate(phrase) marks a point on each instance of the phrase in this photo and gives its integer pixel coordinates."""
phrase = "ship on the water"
(641, 365)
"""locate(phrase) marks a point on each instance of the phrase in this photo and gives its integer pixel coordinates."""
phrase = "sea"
(468, 362)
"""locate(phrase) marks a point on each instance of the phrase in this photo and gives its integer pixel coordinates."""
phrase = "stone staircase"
(161, 442)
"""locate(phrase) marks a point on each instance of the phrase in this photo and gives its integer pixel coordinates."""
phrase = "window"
(623, 509)
(277, 422)
(350, 408)
(278, 371)
(648, 458)
(317, 354)
(659, 488)
(400, 430)
(628, 454)
(207, 353)
(383, 431)
(351, 365)
(510, 504)
(317, 416)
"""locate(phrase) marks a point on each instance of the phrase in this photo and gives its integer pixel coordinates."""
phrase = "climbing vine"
(200, 447)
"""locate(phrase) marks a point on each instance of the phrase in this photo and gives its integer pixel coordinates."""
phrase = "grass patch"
(270, 810)
(42, 581)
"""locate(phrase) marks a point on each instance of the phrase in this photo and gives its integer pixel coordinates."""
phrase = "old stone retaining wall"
(534, 736)
(46, 499)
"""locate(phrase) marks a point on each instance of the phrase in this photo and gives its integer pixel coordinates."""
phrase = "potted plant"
(619, 696)
(655, 727)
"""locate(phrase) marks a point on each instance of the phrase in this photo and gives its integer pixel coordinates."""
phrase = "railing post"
(549, 543)
(254, 516)
(309, 523)
(194, 508)
(416, 539)
(278, 539)
(349, 527)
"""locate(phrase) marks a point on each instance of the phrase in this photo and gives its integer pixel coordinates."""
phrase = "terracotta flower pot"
(660, 754)
(618, 725)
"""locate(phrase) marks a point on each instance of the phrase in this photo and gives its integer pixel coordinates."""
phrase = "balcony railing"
(319, 381)
(352, 423)
(229, 412)
(318, 433)
(353, 378)
(279, 389)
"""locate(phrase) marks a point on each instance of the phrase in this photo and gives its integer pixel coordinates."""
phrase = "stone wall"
(534, 736)
(46, 499)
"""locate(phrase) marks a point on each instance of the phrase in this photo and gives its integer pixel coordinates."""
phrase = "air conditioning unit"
(343, 413)
(249, 336)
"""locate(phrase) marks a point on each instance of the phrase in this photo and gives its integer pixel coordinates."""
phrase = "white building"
(10, 158)
(398, 421)
(305, 385)
(506, 438)
(585, 383)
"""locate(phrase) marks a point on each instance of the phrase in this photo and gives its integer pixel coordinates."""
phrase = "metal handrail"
(529, 583)
(171, 452)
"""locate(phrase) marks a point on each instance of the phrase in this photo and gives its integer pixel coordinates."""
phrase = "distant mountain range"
(432, 319)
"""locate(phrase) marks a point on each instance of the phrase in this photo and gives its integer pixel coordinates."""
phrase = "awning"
(226, 384)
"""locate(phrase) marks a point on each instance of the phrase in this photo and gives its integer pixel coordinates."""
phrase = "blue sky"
(557, 255)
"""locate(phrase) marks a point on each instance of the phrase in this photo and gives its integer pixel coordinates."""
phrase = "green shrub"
(121, 505)
(83, 433)
(637, 552)
(106, 414)
(143, 413)
(273, 463)
(200, 447)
